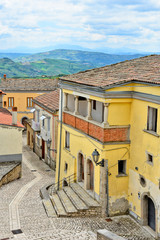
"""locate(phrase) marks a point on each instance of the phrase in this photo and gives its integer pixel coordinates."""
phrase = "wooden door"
(91, 175)
(151, 214)
(81, 167)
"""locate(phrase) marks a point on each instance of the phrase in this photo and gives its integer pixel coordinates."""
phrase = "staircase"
(71, 201)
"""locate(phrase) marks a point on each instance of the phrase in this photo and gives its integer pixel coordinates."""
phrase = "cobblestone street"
(23, 197)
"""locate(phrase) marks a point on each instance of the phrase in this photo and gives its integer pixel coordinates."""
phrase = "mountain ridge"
(55, 62)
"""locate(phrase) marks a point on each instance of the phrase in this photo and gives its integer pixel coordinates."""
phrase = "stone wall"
(104, 234)
(12, 174)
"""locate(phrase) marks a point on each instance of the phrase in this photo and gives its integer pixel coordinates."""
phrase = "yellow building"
(20, 94)
(114, 109)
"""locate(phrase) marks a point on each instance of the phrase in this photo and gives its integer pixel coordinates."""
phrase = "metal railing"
(68, 180)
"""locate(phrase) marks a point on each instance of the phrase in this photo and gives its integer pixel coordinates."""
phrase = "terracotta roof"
(6, 118)
(4, 110)
(144, 69)
(28, 84)
(49, 100)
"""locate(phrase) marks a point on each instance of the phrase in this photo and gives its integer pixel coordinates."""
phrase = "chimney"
(14, 115)
(5, 77)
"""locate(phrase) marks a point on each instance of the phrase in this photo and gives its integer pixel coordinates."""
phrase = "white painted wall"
(98, 113)
(70, 103)
(83, 107)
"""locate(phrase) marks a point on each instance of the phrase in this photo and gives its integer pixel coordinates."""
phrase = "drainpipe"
(107, 190)
(60, 139)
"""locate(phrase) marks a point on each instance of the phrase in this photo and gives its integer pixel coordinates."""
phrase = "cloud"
(88, 23)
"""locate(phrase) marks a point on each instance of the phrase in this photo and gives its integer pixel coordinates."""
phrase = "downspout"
(107, 190)
(60, 139)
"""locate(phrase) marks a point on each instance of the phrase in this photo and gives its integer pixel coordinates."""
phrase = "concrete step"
(78, 203)
(86, 198)
(67, 204)
(49, 208)
(58, 206)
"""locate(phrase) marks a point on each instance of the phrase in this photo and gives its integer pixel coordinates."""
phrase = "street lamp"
(49, 145)
(95, 156)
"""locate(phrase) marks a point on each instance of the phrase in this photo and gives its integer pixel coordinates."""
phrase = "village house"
(109, 137)
(20, 93)
(45, 127)
(10, 145)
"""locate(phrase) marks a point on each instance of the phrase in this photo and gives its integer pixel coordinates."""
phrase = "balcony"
(46, 135)
(98, 131)
(35, 126)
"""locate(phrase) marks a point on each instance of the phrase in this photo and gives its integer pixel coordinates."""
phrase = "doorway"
(43, 149)
(151, 214)
(28, 142)
(80, 168)
(148, 212)
(90, 175)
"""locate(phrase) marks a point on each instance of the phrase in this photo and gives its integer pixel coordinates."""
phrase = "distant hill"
(13, 55)
(49, 67)
(56, 62)
(97, 59)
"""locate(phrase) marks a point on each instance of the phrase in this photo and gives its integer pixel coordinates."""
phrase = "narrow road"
(21, 209)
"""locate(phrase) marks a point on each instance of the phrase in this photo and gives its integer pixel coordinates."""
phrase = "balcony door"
(43, 149)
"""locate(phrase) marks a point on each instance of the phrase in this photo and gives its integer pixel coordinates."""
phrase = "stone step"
(78, 203)
(86, 198)
(58, 206)
(49, 208)
(67, 204)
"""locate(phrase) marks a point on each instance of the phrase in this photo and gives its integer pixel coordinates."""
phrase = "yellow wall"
(20, 101)
(143, 142)
(29, 136)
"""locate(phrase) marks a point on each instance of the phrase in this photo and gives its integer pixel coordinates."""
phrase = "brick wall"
(99, 133)
(82, 125)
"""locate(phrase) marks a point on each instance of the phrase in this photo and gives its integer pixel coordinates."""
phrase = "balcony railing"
(46, 135)
(35, 126)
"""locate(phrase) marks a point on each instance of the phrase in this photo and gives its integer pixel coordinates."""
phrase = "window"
(65, 167)
(152, 119)
(94, 104)
(67, 140)
(43, 123)
(122, 167)
(42, 118)
(38, 140)
(49, 121)
(29, 102)
(142, 181)
(149, 158)
(10, 102)
(37, 116)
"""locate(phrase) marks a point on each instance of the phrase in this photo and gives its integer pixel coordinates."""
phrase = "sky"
(102, 25)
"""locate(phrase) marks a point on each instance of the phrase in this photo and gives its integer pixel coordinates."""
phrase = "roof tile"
(49, 100)
(144, 69)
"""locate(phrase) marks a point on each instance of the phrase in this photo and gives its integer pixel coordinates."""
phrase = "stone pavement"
(21, 208)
